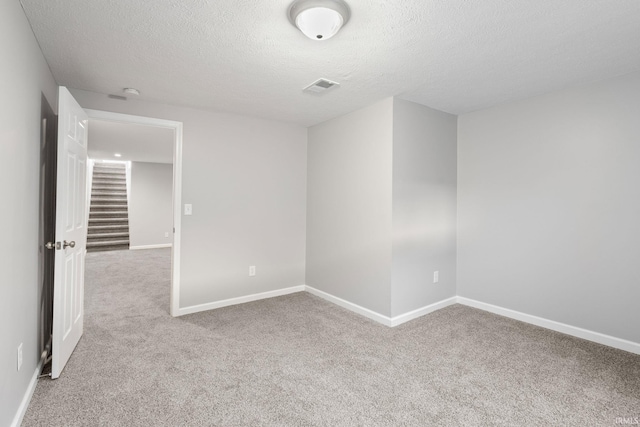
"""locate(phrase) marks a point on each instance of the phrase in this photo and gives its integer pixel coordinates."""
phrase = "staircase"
(108, 213)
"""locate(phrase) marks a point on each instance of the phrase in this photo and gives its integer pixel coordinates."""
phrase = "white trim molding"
(585, 334)
(142, 247)
(26, 399)
(239, 300)
(403, 318)
(380, 318)
(375, 316)
(596, 337)
(174, 303)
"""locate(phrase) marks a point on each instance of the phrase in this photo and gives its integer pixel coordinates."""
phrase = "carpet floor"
(298, 360)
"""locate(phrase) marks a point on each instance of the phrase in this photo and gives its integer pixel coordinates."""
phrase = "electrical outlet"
(19, 356)
(252, 270)
(435, 277)
(188, 209)
(166, 234)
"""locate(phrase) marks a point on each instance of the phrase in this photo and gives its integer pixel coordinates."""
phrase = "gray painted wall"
(349, 207)
(424, 206)
(151, 204)
(246, 180)
(549, 206)
(25, 76)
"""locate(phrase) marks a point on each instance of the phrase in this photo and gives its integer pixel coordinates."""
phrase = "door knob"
(71, 244)
(52, 245)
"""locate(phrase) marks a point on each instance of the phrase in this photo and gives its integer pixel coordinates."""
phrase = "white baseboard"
(137, 248)
(403, 318)
(380, 318)
(585, 334)
(597, 337)
(239, 300)
(26, 399)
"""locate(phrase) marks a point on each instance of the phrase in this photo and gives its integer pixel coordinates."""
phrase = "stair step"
(109, 168)
(107, 243)
(103, 213)
(109, 187)
(109, 179)
(120, 185)
(118, 194)
(108, 200)
(102, 178)
(107, 236)
(108, 208)
(108, 232)
(109, 222)
(109, 248)
(109, 193)
(112, 228)
(110, 174)
(101, 204)
(110, 242)
(113, 199)
(122, 202)
(117, 239)
(97, 191)
(103, 220)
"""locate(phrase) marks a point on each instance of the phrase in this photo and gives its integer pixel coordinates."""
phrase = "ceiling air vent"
(320, 86)
(118, 97)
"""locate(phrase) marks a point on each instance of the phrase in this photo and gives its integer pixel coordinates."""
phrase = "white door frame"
(174, 305)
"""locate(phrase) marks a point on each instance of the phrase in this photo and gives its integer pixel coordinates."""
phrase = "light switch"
(188, 209)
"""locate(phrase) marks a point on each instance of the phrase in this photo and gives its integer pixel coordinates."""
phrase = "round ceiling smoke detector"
(319, 19)
(131, 91)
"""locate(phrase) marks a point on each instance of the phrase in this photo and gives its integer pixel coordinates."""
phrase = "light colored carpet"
(300, 361)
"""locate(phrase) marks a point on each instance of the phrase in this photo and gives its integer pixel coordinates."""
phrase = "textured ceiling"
(135, 142)
(243, 56)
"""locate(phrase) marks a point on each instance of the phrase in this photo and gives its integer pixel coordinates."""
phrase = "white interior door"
(71, 231)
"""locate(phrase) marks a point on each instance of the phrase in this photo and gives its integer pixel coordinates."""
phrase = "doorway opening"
(151, 158)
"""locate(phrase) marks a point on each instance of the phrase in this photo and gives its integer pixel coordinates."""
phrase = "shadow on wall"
(47, 222)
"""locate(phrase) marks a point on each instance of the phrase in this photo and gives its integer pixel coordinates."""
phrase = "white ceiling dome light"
(319, 19)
